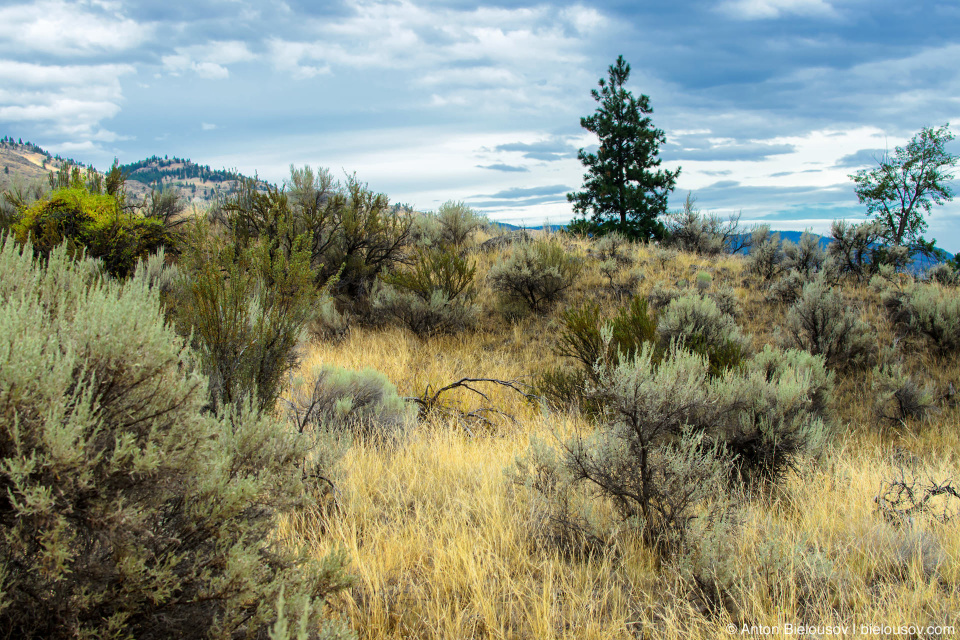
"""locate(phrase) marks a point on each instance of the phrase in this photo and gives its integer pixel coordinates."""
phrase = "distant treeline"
(154, 169)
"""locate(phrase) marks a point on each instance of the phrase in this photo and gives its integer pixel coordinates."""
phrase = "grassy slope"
(443, 544)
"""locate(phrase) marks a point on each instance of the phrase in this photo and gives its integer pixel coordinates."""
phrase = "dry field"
(443, 544)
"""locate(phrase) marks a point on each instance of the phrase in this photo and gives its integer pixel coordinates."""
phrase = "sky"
(767, 105)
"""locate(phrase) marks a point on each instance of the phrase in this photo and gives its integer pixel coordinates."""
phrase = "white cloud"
(206, 126)
(475, 55)
(69, 29)
(766, 9)
(208, 60)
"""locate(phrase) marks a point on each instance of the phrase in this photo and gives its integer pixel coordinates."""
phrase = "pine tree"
(624, 190)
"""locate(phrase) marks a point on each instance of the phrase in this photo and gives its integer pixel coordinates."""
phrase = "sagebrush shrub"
(944, 274)
(671, 433)
(822, 323)
(698, 324)
(928, 310)
(536, 274)
(807, 256)
(129, 511)
(766, 256)
(457, 221)
(616, 247)
(859, 250)
(363, 403)
(706, 234)
(898, 397)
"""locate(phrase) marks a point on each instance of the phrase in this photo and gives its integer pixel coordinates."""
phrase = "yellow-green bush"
(93, 222)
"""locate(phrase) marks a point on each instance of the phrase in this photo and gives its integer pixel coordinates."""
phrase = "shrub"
(128, 510)
(943, 273)
(787, 289)
(435, 296)
(93, 222)
(930, 311)
(703, 281)
(363, 403)
(806, 257)
(858, 249)
(582, 336)
(536, 274)
(690, 230)
(726, 300)
(614, 247)
(697, 324)
(352, 233)
(898, 397)
(766, 256)
(246, 309)
(671, 434)
(821, 322)
(457, 222)
(424, 317)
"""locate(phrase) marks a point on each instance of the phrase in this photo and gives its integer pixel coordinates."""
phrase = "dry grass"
(444, 545)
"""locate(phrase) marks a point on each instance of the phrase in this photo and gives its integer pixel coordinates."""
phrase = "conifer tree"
(623, 190)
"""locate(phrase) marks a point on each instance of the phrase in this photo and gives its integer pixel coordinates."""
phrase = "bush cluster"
(672, 434)
(536, 274)
(928, 310)
(822, 323)
(435, 295)
(129, 510)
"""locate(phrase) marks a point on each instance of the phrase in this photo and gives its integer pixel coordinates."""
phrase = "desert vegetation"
(305, 413)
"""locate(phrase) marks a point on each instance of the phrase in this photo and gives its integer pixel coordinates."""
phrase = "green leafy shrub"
(697, 324)
(822, 323)
(353, 233)
(434, 296)
(536, 274)
(928, 310)
(582, 335)
(93, 222)
(339, 400)
(246, 309)
(128, 510)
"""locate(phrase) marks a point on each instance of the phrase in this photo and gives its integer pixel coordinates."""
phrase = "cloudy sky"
(767, 105)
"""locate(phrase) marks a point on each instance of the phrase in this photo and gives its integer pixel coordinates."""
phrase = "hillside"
(26, 164)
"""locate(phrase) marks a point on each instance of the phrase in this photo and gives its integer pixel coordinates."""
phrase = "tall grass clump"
(536, 274)
(129, 511)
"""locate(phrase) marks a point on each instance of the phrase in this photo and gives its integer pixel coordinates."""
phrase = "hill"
(25, 164)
